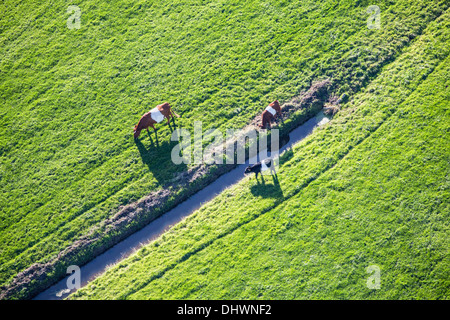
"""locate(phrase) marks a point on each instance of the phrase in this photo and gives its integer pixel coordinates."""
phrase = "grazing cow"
(156, 115)
(260, 167)
(270, 113)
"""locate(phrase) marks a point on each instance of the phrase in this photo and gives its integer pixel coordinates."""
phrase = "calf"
(270, 113)
(260, 167)
(156, 115)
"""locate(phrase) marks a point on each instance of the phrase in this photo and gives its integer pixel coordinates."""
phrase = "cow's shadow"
(157, 157)
(265, 189)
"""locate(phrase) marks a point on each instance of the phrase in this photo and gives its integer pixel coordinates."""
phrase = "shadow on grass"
(265, 190)
(157, 157)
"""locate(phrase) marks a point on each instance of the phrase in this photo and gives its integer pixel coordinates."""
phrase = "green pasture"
(369, 188)
(70, 97)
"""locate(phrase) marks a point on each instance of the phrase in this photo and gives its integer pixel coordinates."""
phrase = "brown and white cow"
(156, 115)
(270, 113)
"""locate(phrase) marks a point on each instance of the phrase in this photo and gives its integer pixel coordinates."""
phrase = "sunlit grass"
(69, 98)
(370, 188)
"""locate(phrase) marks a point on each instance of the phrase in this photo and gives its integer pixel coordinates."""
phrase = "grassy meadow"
(70, 97)
(369, 188)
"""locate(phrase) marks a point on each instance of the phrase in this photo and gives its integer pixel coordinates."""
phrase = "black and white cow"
(264, 165)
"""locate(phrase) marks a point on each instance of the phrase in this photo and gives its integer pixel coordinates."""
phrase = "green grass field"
(69, 100)
(370, 188)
